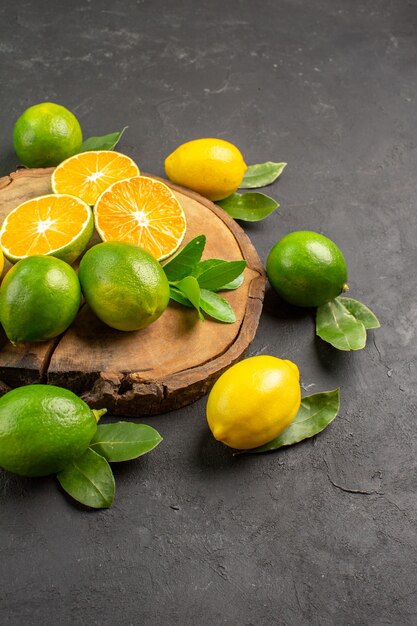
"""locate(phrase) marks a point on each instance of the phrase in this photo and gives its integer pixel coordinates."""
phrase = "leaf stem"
(98, 413)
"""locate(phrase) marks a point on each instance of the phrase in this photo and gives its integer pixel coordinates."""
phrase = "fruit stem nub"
(345, 288)
(98, 413)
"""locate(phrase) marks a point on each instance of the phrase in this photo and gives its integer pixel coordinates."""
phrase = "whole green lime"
(42, 429)
(39, 298)
(306, 269)
(46, 134)
(124, 285)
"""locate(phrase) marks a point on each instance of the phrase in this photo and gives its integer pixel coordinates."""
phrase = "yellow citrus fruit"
(88, 174)
(212, 167)
(141, 211)
(254, 401)
(46, 134)
(57, 225)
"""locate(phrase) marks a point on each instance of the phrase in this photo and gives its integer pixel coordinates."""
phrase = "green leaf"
(190, 288)
(234, 284)
(361, 312)
(315, 413)
(338, 327)
(217, 307)
(123, 441)
(261, 174)
(250, 207)
(106, 142)
(177, 296)
(89, 480)
(213, 274)
(185, 261)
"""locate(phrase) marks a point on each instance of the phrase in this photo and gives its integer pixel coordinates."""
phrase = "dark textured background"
(321, 533)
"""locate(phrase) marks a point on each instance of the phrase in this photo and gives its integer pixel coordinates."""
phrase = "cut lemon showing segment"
(142, 211)
(56, 225)
(88, 174)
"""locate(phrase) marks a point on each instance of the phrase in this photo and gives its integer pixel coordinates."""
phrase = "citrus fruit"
(254, 401)
(46, 134)
(124, 285)
(212, 167)
(57, 225)
(39, 298)
(42, 429)
(141, 211)
(88, 174)
(307, 269)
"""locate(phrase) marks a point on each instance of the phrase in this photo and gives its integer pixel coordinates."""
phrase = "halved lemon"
(88, 174)
(142, 211)
(58, 225)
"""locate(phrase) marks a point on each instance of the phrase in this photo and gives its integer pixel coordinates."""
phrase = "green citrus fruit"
(124, 285)
(306, 269)
(254, 401)
(46, 134)
(42, 429)
(39, 298)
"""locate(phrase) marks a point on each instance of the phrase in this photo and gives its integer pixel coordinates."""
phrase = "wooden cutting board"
(160, 368)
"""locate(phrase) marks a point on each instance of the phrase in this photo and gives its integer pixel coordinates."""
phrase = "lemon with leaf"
(254, 401)
(212, 167)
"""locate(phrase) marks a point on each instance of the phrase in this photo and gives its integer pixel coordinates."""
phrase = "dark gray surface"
(321, 533)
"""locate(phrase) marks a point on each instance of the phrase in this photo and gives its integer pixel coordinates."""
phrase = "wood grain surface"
(165, 366)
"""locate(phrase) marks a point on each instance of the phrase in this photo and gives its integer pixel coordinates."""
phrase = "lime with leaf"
(43, 428)
(307, 269)
(46, 134)
(46, 430)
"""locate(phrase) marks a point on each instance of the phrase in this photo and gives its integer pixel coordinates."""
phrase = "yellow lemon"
(254, 401)
(212, 167)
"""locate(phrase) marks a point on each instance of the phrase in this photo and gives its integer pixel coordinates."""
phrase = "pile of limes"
(42, 428)
(124, 285)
